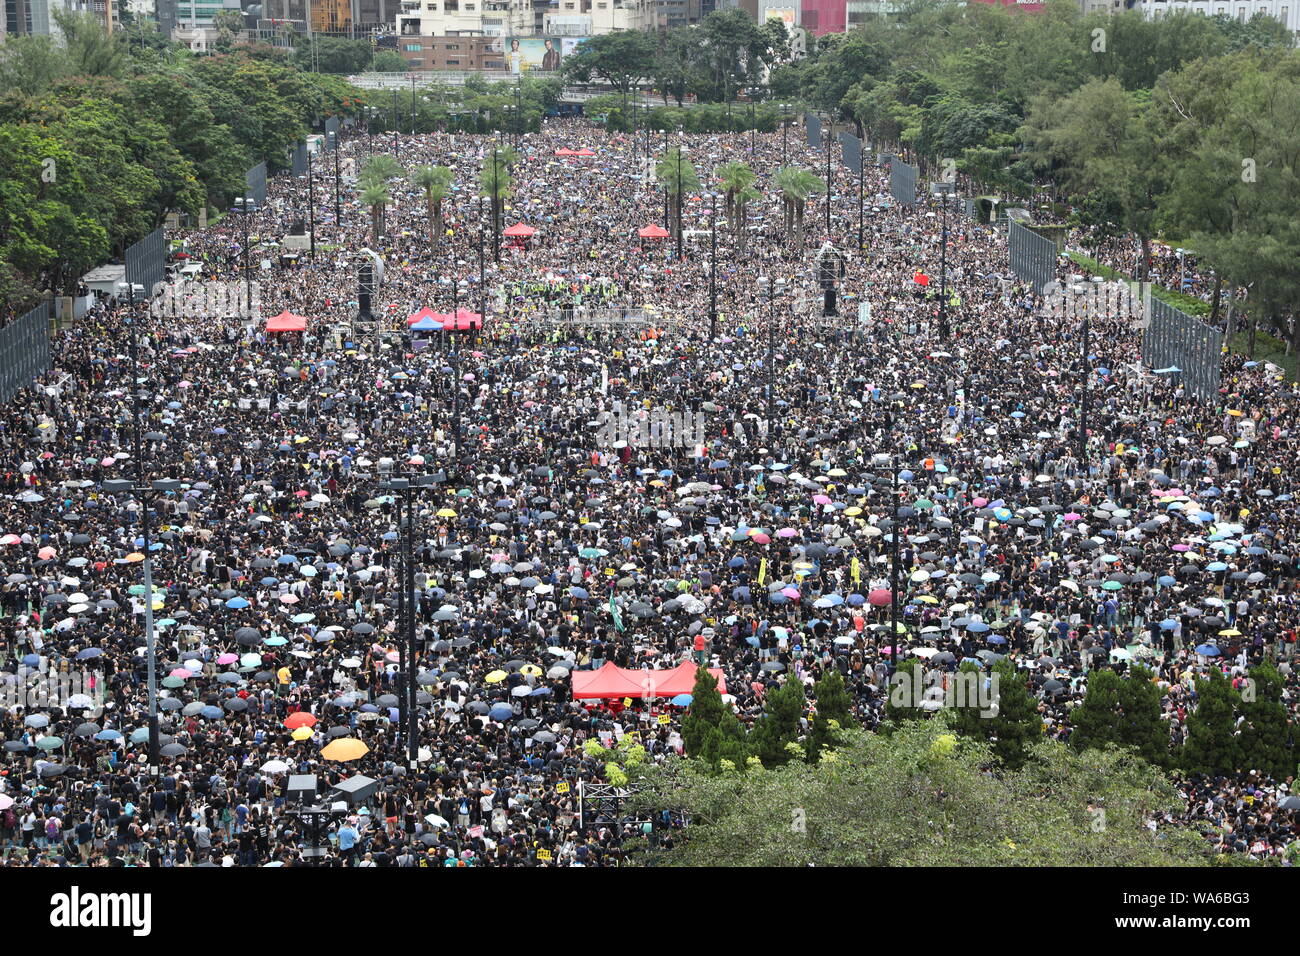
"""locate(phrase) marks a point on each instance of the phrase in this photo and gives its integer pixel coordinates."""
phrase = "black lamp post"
(338, 207)
(144, 491)
(405, 486)
(394, 124)
(713, 265)
(311, 203)
(830, 131)
(679, 201)
(1086, 374)
(944, 190)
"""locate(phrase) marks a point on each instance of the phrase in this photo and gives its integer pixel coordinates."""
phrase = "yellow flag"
(856, 569)
(762, 570)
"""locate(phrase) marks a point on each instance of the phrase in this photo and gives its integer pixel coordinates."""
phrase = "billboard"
(544, 54)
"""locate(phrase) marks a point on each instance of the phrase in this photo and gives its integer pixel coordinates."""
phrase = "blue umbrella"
(286, 559)
(540, 692)
(1168, 624)
(580, 593)
(108, 735)
(1208, 650)
(683, 700)
(89, 652)
(977, 627)
(501, 712)
(211, 713)
(31, 660)
(237, 604)
(739, 562)
(856, 600)
(996, 639)
(1216, 566)
(1166, 580)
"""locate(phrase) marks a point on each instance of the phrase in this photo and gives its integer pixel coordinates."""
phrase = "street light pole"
(1085, 371)
(338, 214)
(311, 203)
(405, 485)
(496, 205)
(943, 266)
(713, 265)
(829, 133)
(862, 165)
(248, 275)
(679, 202)
(394, 124)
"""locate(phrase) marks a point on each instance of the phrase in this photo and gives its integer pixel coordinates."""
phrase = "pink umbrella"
(761, 538)
(288, 599)
(880, 597)
(225, 659)
(821, 500)
(392, 656)
(46, 553)
(980, 502)
(790, 592)
(1072, 516)
(180, 672)
(1182, 547)
(786, 533)
(108, 461)
(11, 539)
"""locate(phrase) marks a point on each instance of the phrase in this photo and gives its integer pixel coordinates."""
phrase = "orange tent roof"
(286, 321)
(612, 681)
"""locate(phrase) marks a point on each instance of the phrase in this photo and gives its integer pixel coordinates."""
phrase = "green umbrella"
(1111, 586)
(50, 743)
(923, 504)
(172, 682)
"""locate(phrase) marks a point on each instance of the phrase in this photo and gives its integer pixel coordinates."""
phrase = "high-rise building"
(1285, 11)
(37, 17)
(821, 17)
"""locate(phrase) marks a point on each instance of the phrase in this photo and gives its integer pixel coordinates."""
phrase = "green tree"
(1212, 746)
(389, 61)
(797, 186)
(1095, 723)
(375, 196)
(621, 59)
(677, 176)
(779, 725)
(1017, 725)
(436, 181)
(1140, 725)
(921, 797)
(833, 713)
(710, 731)
(1267, 740)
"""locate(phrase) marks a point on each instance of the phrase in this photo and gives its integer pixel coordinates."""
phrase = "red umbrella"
(653, 232)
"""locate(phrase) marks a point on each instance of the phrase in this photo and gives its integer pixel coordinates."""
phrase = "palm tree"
(734, 176)
(797, 187)
(494, 182)
(675, 171)
(379, 168)
(376, 197)
(436, 182)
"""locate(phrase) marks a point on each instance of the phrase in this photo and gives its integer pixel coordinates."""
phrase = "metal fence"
(24, 350)
(814, 124)
(884, 159)
(332, 133)
(255, 184)
(852, 151)
(902, 182)
(146, 261)
(1174, 339)
(1033, 257)
(298, 165)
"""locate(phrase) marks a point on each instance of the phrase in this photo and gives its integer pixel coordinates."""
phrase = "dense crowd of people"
(1164, 537)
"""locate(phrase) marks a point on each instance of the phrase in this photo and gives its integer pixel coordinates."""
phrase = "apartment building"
(1287, 11)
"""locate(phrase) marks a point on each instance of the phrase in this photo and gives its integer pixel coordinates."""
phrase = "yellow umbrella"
(1230, 632)
(927, 599)
(531, 670)
(446, 513)
(853, 512)
(302, 733)
(134, 557)
(496, 677)
(837, 473)
(345, 748)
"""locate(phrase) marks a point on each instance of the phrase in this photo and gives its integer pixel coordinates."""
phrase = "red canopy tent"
(585, 152)
(425, 313)
(519, 230)
(565, 151)
(653, 232)
(463, 321)
(612, 681)
(286, 321)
